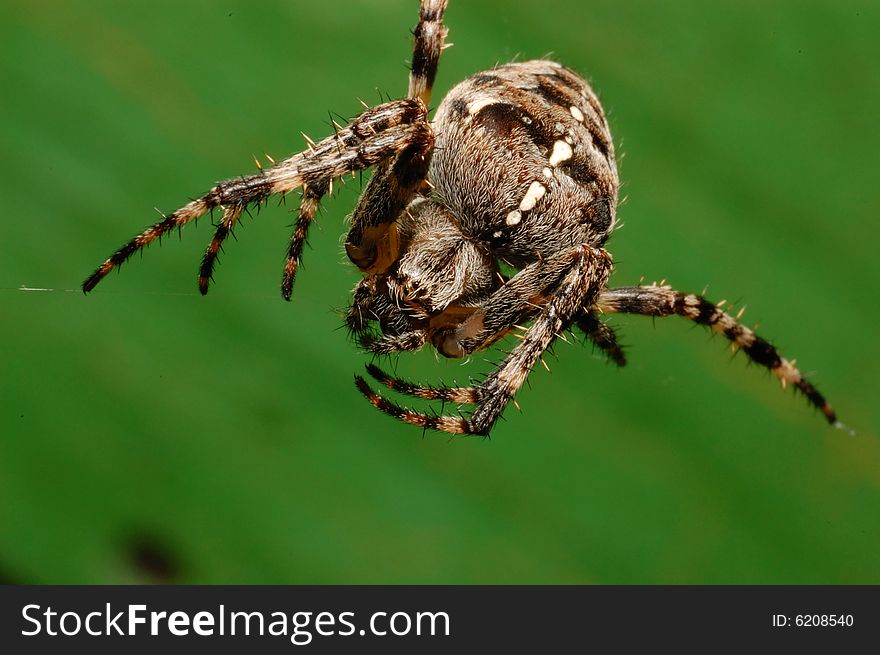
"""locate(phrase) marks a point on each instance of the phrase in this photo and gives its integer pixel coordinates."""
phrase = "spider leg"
(665, 301)
(231, 214)
(429, 34)
(512, 304)
(602, 336)
(371, 242)
(458, 395)
(366, 306)
(362, 310)
(393, 343)
(377, 134)
(588, 272)
(308, 207)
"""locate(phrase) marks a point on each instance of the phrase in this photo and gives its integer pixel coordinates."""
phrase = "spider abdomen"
(524, 159)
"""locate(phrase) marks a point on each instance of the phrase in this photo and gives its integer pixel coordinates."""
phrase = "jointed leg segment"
(665, 301)
(376, 135)
(308, 207)
(396, 181)
(457, 395)
(429, 34)
(231, 214)
(602, 336)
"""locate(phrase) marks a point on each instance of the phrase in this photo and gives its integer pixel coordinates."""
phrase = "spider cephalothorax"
(516, 169)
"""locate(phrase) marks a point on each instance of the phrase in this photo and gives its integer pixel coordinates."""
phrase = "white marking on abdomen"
(561, 152)
(513, 217)
(479, 102)
(535, 192)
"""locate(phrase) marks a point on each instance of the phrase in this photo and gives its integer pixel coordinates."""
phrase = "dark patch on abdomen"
(555, 93)
(600, 215)
(505, 118)
(570, 79)
(579, 169)
(500, 117)
(599, 139)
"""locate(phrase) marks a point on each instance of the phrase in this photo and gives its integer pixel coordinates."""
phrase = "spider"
(517, 168)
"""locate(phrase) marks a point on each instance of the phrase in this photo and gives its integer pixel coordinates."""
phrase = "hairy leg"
(371, 243)
(396, 182)
(231, 214)
(512, 304)
(379, 133)
(368, 306)
(665, 301)
(390, 344)
(308, 207)
(602, 336)
(429, 36)
(587, 273)
(458, 395)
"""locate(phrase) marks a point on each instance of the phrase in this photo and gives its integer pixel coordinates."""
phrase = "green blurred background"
(150, 434)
